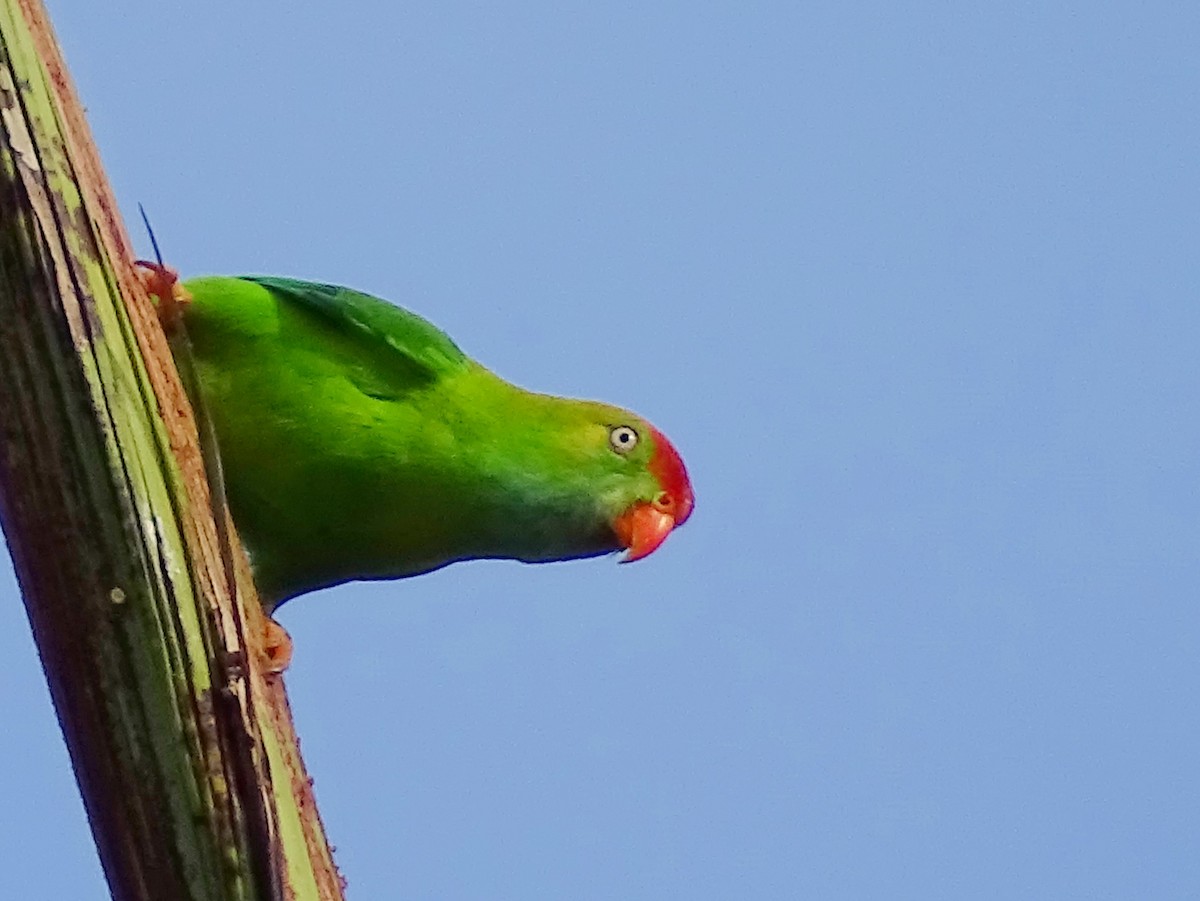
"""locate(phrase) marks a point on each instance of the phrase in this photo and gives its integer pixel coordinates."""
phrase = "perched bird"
(358, 442)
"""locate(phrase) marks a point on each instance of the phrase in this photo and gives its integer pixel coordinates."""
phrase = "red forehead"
(667, 466)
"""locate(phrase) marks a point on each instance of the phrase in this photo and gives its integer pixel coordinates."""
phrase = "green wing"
(416, 343)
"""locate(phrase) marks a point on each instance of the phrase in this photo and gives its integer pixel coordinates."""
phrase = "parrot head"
(607, 480)
(645, 524)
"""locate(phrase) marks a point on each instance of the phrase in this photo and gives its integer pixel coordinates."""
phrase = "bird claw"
(277, 647)
(163, 282)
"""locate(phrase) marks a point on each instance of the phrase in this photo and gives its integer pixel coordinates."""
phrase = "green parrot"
(358, 442)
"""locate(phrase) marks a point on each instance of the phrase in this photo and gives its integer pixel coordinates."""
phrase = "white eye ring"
(623, 439)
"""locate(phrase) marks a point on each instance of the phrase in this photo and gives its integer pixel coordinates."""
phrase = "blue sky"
(912, 286)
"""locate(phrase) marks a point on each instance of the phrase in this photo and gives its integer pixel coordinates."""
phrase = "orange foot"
(277, 647)
(163, 282)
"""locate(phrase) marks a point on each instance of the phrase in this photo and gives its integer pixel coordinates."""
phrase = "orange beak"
(641, 529)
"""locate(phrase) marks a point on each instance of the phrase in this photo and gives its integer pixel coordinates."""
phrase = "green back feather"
(419, 343)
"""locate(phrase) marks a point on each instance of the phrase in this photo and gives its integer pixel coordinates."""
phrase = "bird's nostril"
(664, 502)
